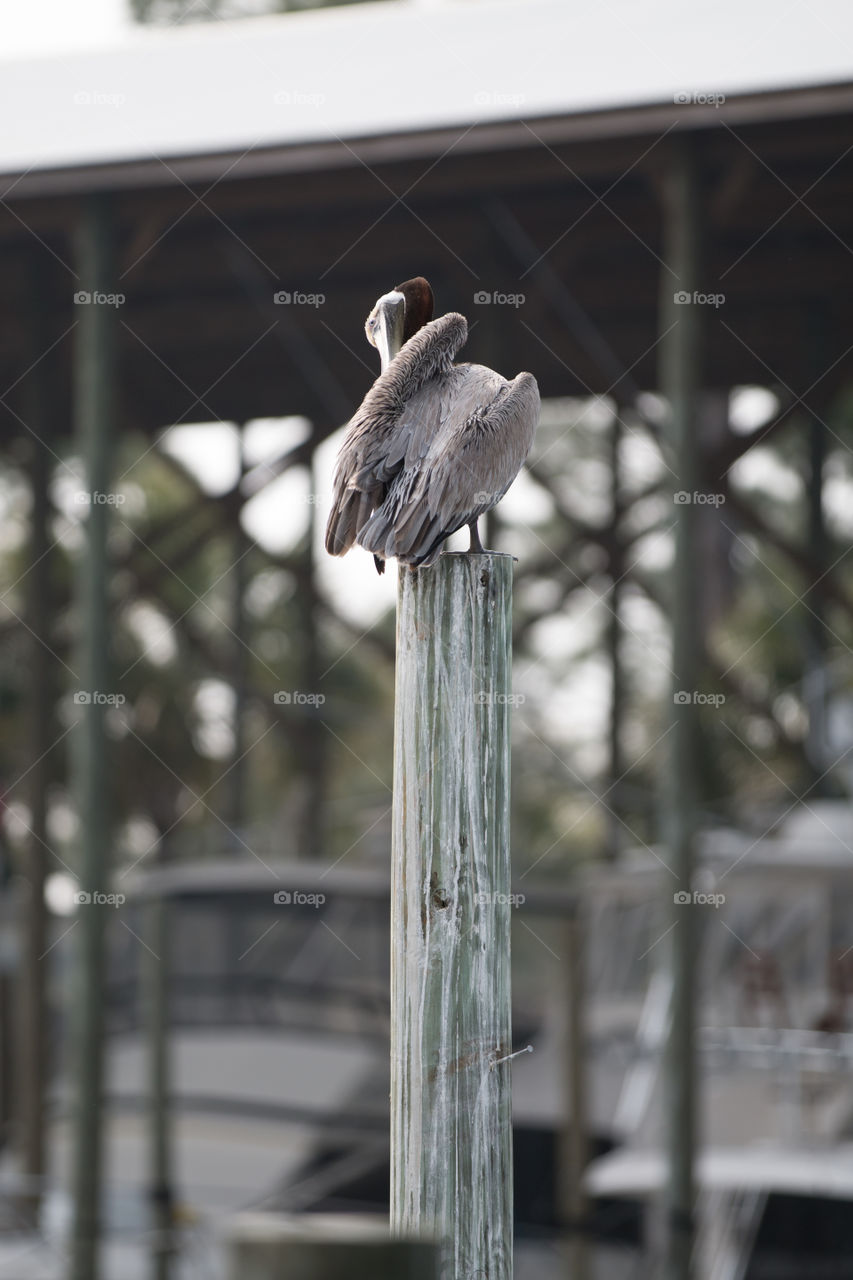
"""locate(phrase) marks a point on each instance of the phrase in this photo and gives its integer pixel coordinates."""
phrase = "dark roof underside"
(201, 260)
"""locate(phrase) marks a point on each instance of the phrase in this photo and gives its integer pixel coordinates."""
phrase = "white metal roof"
(373, 69)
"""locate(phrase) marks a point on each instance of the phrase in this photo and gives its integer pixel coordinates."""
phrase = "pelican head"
(397, 315)
(384, 326)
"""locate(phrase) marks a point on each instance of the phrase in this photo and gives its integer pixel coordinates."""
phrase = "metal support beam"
(615, 827)
(573, 1146)
(30, 1065)
(237, 774)
(680, 379)
(314, 737)
(94, 378)
(816, 682)
(155, 960)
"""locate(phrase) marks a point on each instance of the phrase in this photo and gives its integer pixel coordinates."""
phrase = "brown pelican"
(433, 444)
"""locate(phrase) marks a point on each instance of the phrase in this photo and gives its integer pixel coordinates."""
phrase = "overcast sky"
(49, 26)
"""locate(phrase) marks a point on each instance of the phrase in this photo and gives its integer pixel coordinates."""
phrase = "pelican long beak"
(385, 326)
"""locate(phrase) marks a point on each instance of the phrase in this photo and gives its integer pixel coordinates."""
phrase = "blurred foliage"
(175, 655)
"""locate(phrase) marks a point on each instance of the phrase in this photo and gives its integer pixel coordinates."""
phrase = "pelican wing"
(454, 471)
(391, 423)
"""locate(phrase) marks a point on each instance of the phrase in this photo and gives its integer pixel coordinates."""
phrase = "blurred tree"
(174, 653)
(179, 12)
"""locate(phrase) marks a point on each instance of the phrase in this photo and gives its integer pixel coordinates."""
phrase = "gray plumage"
(432, 447)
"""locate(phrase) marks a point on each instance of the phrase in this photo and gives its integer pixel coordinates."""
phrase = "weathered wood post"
(451, 1136)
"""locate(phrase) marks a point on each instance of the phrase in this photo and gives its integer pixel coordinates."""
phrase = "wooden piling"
(451, 1136)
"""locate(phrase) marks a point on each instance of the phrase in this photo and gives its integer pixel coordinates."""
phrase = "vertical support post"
(155, 958)
(451, 1136)
(816, 676)
(7, 1037)
(573, 1139)
(240, 664)
(30, 1064)
(713, 538)
(614, 637)
(311, 830)
(816, 682)
(680, 381)
(94, 377)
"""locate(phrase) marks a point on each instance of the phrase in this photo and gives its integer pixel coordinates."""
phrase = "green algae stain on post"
(451, 1136)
